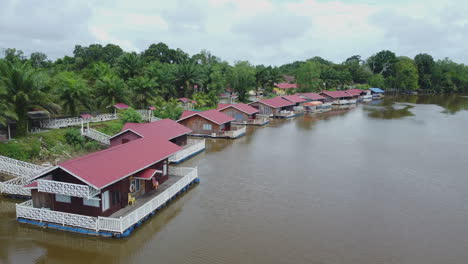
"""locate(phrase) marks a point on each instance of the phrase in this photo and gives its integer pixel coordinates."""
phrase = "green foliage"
(209, 100)
(143, 89)
(167, 109)
(406, 74)
(241, 78)
(109, 127)
(74, 138)
(377, 80)
(188, 77)
(131, 115)
(110, 90)
(73, 92)
(308, 77)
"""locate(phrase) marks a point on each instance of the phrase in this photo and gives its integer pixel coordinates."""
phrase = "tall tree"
(144, 90)
(7, 112)
(425, 64)
(188, 76)
(241, 78)
(26, 90)
(73, 92)
(406, 74)
(129, 65)
(110, 90)
(383, 63)
(308, 77)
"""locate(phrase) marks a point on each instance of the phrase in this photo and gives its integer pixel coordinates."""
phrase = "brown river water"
(377, 184)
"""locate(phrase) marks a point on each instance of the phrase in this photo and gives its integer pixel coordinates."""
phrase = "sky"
(260, 31)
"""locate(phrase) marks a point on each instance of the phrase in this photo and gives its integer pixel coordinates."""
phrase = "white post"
(82, 126)
(120, 221)
(88, 126)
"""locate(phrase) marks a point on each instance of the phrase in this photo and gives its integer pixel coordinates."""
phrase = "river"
(380, 183)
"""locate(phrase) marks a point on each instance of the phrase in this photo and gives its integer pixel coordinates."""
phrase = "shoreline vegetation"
(96, 77)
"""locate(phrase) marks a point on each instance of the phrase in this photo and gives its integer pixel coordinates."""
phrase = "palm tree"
(26, 90)
(143, 90)
(110, 89)
(7, 112)
(186, 76)
(73, 91)
(129, 65)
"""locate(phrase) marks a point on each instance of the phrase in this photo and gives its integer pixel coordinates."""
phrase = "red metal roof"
(336, 94)
(32, 185)
(293, 98)
(213, 115)
(276, 102)
(85, 116)
(121, 106)
(311, 96)
(184, 100)
(146, 174)
(152, 108)
(354, 92)
(240, 106)
(286, 85)
(108, 166)
(165, 128)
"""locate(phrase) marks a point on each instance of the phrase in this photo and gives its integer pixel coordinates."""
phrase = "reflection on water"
(346, 186)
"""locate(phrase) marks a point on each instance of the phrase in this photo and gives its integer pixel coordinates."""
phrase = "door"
(105, 201)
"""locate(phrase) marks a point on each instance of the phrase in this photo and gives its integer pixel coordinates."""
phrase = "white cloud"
(261, 31)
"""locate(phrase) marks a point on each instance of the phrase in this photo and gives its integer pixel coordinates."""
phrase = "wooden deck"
(142, 200)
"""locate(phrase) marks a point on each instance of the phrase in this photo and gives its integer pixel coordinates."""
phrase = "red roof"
(103, 168)
(276, 102)
(146, 174)
(311, 96)
(240, 106)
(166, 129)
(152, 108)
(213, 115)
(32, 185)
(354, 92)
(121, 106)
(184, 100)
(85, 116)
(293, 98)
(336, 94)
(286, 85)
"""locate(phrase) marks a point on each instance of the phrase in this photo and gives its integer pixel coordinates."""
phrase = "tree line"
(98, 76)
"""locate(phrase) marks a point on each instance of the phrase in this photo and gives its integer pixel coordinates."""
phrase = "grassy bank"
(56, 145)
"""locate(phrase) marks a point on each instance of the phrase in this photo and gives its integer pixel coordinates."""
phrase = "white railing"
(236, 132)
(27, 211)
(193, 146)
(15, 187)
(96, 135)
(119, 225)
(256, 121)
(74, 121)
(65, 188)
(286, 113)
(153, 119)
(19, 168)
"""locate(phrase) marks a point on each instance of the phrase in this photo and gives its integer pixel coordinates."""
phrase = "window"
(91, 202)
(136, 183)
(105, 201)
(62, 198)
(207, 127)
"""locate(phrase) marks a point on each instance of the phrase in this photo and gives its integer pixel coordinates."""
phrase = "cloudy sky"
(261, 31)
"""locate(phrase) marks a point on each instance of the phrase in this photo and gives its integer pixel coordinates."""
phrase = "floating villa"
(275, 107)
(338, 97)
(110, 192)
(377, 92)
(243, 114)
(211, 123)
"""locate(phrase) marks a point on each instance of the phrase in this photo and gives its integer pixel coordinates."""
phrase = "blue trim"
(188, 157)
(126, 233)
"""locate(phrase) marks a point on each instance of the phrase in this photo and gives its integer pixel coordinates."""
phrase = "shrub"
(131, 115)
(92, 145)
(74, 138)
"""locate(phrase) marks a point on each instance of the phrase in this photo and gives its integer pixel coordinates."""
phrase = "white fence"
(118, 225)
(74, 121)
(27, 211)
(70, 189)
(193, 146)
(15, 187)
(236, 132)
(96, 135)
(19, 168)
